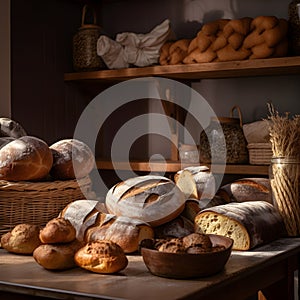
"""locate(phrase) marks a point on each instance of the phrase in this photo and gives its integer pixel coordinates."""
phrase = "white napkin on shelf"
(131, 48)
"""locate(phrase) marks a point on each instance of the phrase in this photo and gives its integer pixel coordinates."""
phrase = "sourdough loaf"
(92, 224)
(25, 158)
(249, 224)
(152, 199)
(247, 189)
(196, 182)
(71, 159)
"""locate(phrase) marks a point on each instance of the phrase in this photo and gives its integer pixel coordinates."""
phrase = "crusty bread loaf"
(152, 199)
(91, 224)
(196, 182)
(11, 128)
(25, 158)
(71, 159)
(104, 257)
(58, 230)
(249, 224)
(57, 256)
(22, 239)
(247, 189)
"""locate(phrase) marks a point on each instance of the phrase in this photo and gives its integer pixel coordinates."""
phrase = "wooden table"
(269, 269)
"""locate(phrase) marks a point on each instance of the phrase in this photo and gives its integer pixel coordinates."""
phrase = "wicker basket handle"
(239, 113)
(84, 10)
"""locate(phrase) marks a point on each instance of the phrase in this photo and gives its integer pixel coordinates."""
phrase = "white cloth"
(133, 48)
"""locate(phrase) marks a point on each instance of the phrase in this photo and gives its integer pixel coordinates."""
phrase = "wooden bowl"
(178, 265)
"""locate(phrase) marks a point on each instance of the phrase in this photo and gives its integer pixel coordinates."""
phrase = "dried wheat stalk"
(285, 139)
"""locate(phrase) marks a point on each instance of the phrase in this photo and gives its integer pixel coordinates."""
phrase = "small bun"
(71, 159)
(101, 257)
(58, 230)
(22, 239)
(197, 240)
(26, 158)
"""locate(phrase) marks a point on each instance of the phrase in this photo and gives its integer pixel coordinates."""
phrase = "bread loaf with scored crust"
(151, 199)
(92, 223)
(249, 224)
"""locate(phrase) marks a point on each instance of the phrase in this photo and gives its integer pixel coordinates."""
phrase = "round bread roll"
(57, 256)
(71, 159)
(26, 158)
(101, 257)
(58, 230)
(152, 199)
(22, 239)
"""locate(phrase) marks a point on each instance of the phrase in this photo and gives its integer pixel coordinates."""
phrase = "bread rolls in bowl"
(152, 199)
(101, 257)
(71, 159)
(25, 158)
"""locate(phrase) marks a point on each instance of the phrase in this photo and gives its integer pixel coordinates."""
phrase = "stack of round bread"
(228, 40)
(29, 158)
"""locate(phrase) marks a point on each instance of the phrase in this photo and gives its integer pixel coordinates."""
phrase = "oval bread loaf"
(25, 158)
(249, 224)
(152, 199)
(71, 159)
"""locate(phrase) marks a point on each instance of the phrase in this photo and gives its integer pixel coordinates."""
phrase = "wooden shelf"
(174, 166)
(243, 68)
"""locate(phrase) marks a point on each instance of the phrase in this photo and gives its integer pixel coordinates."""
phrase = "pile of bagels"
(230, 40)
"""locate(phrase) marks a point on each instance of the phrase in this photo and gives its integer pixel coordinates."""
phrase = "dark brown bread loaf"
(249, 224)
(26, 158)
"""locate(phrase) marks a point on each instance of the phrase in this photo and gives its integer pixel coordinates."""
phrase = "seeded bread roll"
(104, 257)
(22, 239)
(57, 256)
(249, 224)
(26, 158)
(58, 230)
(71, 159)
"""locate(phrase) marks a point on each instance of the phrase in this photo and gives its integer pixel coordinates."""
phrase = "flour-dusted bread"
(249, 224)
(92, 224)
(247, 189)
(22, 239)
(57, 256)
(25, 158)
(105, 257)
(152, 199)
(196, 182)
(71, 159)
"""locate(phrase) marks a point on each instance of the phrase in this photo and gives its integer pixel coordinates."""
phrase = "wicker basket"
(37, 202)
(260, 153)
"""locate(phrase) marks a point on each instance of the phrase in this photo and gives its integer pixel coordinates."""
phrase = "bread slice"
(249, 224)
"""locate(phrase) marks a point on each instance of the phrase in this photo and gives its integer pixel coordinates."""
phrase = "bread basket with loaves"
(37, 181)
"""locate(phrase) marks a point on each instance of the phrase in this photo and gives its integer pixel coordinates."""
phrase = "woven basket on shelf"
(37, 202)
(260, 153)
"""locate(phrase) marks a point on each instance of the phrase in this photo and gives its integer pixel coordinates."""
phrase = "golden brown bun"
(71, 159)
(57, 256)
(26, 158)
(103, 256)
(178, 51)
(198, 240)
(22, 239)
(58, 230)
(276, 34)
